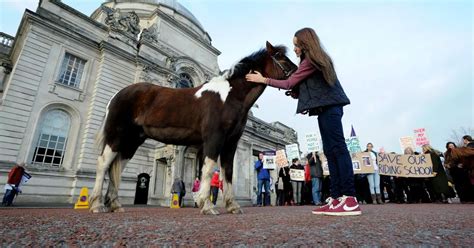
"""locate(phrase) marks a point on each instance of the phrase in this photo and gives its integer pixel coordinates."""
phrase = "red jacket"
(307, 173)
(215, 179)
(15, 174)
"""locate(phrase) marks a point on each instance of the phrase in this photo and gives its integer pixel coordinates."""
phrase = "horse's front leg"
(204, 201)
(227, 165)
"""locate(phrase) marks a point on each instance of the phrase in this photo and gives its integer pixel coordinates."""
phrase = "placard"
(296, 175)
(420, 137)
(406, 142)
(269, 158)
(361, 163)
(313, 142)
(292, 152)
(353, 144)
(405, 165)
(280, 158)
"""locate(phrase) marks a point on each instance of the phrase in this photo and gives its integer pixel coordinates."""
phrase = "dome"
(172, 4)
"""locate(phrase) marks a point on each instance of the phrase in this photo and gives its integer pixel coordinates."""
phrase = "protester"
(374, 178)
(284, 175)
(263, 177)
(296, 184)
(387, 185)
(461, 180)
(320, 93)
(195, 191)
(439, 181)
(316, 173)
(216, 184)
(179, 188)
(467, 140)
(13, 183)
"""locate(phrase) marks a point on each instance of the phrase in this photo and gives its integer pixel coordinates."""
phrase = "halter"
(285, 71)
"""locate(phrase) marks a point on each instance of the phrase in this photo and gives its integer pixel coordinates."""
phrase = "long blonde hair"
(311, 48)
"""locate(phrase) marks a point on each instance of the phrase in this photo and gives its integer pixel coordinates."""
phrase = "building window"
(71, 70)
(184, 81)
(52, 137)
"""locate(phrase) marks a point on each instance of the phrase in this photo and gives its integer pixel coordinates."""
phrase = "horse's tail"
(100, 137)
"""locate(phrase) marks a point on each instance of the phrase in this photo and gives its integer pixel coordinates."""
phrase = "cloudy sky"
(404, 64)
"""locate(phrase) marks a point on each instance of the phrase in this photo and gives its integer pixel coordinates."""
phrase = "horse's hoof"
(118, 210)
(210, 211)
(99, 209)
(236, 211)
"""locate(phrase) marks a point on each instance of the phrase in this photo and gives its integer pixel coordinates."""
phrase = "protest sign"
(353, 144)
(361, 163)
(313, 142)
(405, 165)
(406, 142)
(420, 137)
(280, 158)
(292, 152)
(269, 160)
(296, 175)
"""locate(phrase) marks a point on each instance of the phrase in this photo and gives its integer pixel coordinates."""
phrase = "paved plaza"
(388, 225)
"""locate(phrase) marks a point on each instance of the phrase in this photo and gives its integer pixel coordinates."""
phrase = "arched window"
(51, 138)
(184, 81)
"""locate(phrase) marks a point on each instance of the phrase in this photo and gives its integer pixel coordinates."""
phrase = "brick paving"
(443, 225)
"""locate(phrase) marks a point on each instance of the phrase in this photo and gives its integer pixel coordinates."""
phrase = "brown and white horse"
(212, 115)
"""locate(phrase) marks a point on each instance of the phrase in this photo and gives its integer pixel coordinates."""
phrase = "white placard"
(292, 152)
(296, 175)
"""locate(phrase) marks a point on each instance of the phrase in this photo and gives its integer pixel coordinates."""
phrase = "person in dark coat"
(287, 196)
(178, 188)
(460, 177)
(440, 181)
(316, 172)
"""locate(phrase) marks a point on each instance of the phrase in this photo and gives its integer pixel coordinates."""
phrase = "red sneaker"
(347, 206)
(330, 202)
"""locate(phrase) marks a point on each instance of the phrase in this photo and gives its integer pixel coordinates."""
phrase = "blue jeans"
(374, 183)
(335, 149)
(316, 184)
(266, 184)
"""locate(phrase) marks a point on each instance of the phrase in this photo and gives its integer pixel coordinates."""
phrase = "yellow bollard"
(175, 201)
(83, 200)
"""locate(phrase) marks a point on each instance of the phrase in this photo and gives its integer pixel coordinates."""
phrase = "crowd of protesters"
(448, 182)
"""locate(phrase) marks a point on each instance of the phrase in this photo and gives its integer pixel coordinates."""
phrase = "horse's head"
(277, 64)
(271, 62)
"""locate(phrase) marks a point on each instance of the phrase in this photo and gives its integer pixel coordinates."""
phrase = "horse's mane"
(251, 62)
(462, 152)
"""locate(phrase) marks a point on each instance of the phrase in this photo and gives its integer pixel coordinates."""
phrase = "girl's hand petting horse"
(256, 77)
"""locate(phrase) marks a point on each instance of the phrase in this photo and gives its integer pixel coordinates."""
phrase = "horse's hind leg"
(227, 165)
(103, 163)
(115, 175)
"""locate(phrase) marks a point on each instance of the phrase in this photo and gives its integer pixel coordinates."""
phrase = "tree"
(456, 135)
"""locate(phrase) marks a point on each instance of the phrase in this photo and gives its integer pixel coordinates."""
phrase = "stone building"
(61, 69)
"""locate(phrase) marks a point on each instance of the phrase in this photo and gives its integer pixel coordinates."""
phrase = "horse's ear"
(270, 48)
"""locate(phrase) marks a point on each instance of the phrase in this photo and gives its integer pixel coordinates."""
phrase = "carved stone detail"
(150, 34)
(125, 22)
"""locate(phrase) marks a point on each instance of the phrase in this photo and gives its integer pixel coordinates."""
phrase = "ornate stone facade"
(70, 65)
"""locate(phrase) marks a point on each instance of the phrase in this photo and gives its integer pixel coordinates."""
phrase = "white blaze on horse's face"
(218, 85)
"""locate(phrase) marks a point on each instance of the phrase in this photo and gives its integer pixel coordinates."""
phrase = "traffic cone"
(83, 200)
